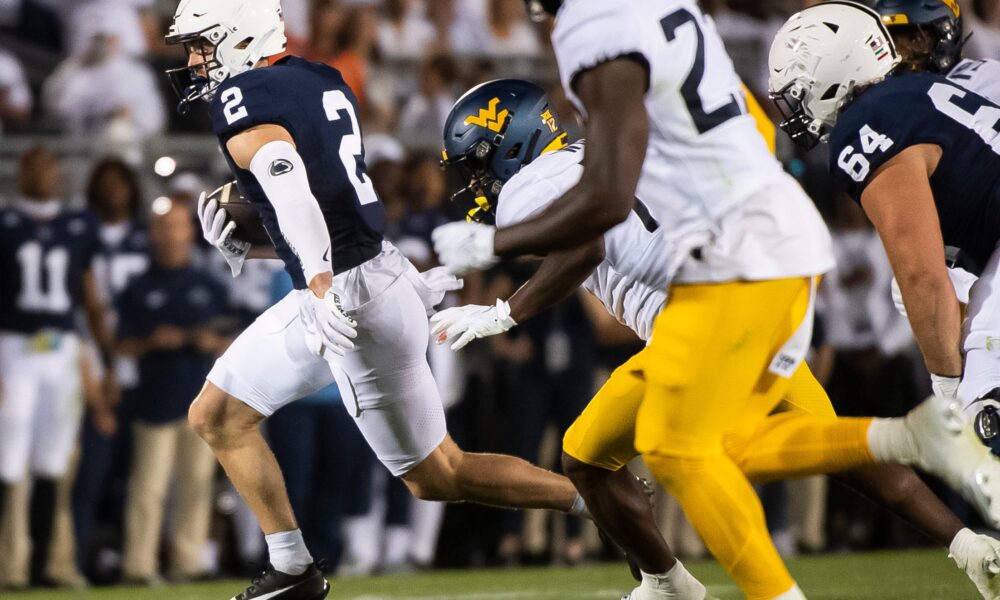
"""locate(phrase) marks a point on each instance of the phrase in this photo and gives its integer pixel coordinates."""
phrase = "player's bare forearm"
(577, 218)
(559, 275)
(96, 318)
(900, 203)
(936, 320)
(617, 133)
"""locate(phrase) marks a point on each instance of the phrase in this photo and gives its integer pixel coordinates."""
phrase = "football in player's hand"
(249, 226)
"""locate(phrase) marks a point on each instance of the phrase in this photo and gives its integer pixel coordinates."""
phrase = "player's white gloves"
(219, 231)
(945, 388)
(464, 247)
(328, 329)
(471, 322)
(433, 284)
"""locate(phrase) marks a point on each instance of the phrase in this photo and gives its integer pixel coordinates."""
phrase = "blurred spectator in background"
(425, 112)
(983, 21)
(114, 195)
(507, 32)
(168, 323)
(47, 254)
(15, 95)
(296, 15)
(404, 32)
(748, 28)
(134, 22)
(426, 193)
(343, 37)
(105, 94)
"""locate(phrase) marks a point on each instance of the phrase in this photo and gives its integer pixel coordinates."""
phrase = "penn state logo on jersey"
(312, 102)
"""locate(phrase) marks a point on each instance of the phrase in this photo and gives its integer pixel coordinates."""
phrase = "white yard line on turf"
(525, 593)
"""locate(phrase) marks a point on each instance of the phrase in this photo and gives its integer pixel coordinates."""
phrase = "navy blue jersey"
(42, 264)
(312, 102)
(924, 108)
(186, 298)
(124, 255)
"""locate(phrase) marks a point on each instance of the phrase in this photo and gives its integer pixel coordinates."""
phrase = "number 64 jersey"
(312, 102)
(924, 108)
(708, 176)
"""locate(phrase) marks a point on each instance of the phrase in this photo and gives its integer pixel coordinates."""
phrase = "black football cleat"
(275, 585)
(987, 421)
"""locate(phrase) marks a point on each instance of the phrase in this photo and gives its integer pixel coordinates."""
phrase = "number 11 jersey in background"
(312, 102)
(42, 266)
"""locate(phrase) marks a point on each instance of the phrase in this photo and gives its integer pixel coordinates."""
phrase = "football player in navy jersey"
(47, 255)
(929, 36)
(114, 195)
(921, 154)
(358, 314)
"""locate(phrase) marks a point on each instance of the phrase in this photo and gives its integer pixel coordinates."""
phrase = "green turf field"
(923, 575)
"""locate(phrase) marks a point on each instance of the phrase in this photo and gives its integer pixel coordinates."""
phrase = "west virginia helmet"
(539, 9)
(939, 20)
(239, 33)
(493, 131)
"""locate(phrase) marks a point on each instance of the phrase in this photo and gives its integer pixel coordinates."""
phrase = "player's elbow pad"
(282, 174)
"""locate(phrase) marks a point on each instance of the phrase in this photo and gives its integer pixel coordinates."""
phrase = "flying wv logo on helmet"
(493, 131)
(488, 117)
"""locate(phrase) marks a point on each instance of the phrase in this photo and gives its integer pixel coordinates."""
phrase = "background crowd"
(86, 118)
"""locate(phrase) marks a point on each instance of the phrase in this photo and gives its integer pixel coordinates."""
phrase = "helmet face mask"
(802, 129)
(199, 80)
(484, 187)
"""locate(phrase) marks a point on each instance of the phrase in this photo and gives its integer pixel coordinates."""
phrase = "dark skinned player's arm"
(559, 275)
(617, 132)
(900, 203)
(96, 317)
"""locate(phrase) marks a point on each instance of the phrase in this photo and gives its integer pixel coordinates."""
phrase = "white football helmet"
(241, 32)
(818, 59)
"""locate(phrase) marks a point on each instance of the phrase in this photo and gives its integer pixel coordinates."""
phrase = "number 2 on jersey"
(704, 120)
(334, 102)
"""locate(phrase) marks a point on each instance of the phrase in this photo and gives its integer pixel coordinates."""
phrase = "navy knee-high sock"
(43, 514)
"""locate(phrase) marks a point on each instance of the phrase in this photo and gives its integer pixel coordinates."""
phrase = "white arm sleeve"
(282, 174)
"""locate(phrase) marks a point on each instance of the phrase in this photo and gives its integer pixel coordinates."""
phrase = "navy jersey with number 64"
(42, 265)
(923, 108)
(312, 102)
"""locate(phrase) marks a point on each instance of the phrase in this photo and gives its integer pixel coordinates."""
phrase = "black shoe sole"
(323, 594)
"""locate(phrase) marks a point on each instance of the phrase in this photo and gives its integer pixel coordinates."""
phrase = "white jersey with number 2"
(708, 176)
